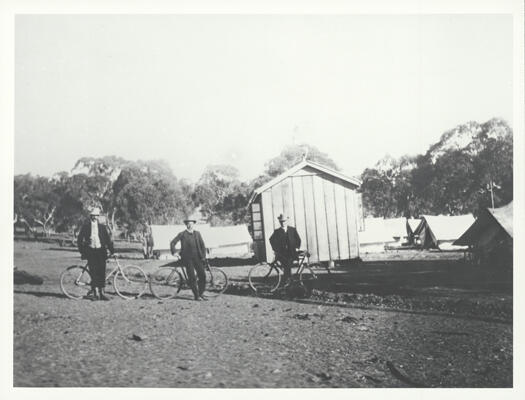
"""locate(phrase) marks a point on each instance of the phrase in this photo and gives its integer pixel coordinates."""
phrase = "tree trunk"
(113, 212)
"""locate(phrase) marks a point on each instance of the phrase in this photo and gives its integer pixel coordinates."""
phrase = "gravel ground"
(240, 341)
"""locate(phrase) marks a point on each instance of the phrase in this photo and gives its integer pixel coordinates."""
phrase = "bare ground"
(243, 341)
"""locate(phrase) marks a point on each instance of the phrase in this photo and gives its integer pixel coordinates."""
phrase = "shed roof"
(305, 163)
(501, 216)
(446, 227)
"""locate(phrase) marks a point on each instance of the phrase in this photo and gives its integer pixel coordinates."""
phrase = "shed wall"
(323, 209)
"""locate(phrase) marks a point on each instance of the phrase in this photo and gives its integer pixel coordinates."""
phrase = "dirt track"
(237, 341)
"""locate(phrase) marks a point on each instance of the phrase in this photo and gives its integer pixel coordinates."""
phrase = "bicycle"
(264, 278)
(129, 282)
(170, 280)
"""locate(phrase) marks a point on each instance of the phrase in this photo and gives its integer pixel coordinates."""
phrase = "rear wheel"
(165, 283)
(264, 279)
(216, 282)
(130, 282)
(307, 279)
(75, 282)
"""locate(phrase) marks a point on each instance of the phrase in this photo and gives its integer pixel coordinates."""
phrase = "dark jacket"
(189, 242)
(84, 238)
(284, 244)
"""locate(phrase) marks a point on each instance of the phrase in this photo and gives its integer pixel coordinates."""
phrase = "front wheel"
(216, 282)
(130, 282)
(264, 279)
(75, 282)
(165, 283)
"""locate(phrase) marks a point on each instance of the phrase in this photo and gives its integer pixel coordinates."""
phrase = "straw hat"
(282, 217)
(95, 211)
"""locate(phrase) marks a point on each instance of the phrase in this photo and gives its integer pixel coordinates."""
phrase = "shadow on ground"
(413, 277)
(435, 286)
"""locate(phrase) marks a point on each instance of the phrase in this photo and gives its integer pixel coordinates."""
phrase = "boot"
(102, 294)
(195, 291)
(96, 295)
(92, 295)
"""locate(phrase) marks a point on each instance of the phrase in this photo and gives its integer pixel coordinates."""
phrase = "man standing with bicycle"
(285, 242)
(193, 255)
(94, 242)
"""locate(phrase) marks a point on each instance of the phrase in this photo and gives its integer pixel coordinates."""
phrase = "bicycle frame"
(301, 264)
(181, 269)
(115, 270)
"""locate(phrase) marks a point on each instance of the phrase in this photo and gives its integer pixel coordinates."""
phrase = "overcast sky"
(199, 90)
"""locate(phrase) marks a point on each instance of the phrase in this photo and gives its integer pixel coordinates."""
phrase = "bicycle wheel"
(75, 282)
(130, 282)
(165, 283)
(307, 278)
(264, 278)
(216, 282)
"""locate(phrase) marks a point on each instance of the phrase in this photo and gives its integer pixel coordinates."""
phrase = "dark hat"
(190, 220)
(282, 217)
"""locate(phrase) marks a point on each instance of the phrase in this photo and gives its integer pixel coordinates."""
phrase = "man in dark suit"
(285, 242)
(94, 243)
(193, 255)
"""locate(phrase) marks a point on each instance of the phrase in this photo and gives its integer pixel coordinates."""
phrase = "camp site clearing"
(399, 319)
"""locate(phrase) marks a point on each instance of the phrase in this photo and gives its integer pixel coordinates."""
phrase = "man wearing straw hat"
(94, 242)
(285, 241)
(193, 255)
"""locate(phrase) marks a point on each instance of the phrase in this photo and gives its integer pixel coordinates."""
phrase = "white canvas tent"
(441, 231)
(220, 241)
(380, 232)
(490, 237)
(411, 227)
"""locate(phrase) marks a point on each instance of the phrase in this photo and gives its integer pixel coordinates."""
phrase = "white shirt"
(94, 239)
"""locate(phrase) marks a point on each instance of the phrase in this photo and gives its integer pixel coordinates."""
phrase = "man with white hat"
(94, 242)
(285, 241)
(193, 255)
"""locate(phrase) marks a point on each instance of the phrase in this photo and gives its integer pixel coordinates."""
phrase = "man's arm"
(174, 242)
(109, 239)
(80, 239)
(297, 238)
(202, 245)
(273, 241)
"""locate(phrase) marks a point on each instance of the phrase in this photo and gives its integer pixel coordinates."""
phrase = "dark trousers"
(286, 263)
(97, 267)
(194, 264)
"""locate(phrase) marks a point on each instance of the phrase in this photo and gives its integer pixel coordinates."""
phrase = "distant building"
(380, 234)
(221, 241)
(490, 237)
(321, 203)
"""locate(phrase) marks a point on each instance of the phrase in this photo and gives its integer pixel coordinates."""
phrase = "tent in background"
(411, 226)
(441, 231)
(490, 237)
(380, 233)
(220, 241)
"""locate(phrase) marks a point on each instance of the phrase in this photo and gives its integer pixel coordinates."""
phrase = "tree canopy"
(453, 177)
(449, 179)
(293, 154)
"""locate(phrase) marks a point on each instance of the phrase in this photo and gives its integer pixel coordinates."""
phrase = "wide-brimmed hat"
(94, 211)
(190, 220)
(282, 217)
